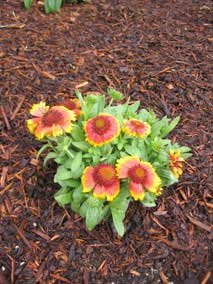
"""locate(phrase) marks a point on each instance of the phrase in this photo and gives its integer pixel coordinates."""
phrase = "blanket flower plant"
(107, 154)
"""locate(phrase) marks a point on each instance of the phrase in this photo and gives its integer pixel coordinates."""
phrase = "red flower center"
(137, 124)
(104, 174)
(72, 105)
(52, 117)
(101, 124)
(137, 174)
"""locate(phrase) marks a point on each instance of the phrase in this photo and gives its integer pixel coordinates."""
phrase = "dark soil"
(155, 51)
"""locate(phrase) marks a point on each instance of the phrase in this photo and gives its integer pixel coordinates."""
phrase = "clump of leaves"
(51, 6)
(108, 155)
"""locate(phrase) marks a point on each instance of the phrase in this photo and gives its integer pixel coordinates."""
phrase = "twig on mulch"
(163, 277)
(40, 271)
(17, 108)
(175, 245)
(13, 26)
(12, 273)
(206, 277)
(3, 176)
(44, 73)
(22, 237)
(199, 224)
(58, 277)
(5, 118)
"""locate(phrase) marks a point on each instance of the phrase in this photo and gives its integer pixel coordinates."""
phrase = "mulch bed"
(157, 52)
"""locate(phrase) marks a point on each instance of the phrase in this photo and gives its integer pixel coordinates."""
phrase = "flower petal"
(176, 163)
(33, 123)
(39, 110)
(101, 129)
(135, 127)
(124, 164)
(87, 180)
(108, 192)
(74, 105)
(99, 191)
(136, 190)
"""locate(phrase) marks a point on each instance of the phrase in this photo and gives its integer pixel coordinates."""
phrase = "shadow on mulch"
(157, 52)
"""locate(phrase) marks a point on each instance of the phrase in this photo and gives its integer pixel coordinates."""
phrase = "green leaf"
(44, 147)
(83, 146)
(118, 209)
(52, 6)
(77, 133)
(93, 217)
(117, 217)
(185, 152)
(120, 145)
(79, 96)
(93, 105)
(61, 160)
(166, 176)
(143, 151)
(27, 4)
(134, 151)
(157, 126)
(149, 199)
(62, 174)
(132, 109)
(118, 111)
(69, 183)
(147, 116)
(94, 212)
(115, 95)
(78, 194)
(83, 209)
(77, 198)
(50, 155)
(76, 163)
(63, 196)
(170, 126)
(78, 173)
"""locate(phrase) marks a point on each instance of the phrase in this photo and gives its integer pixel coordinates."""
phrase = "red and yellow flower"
(159, 191)
(102, 180)
(141, 174)
(176, 163)
(101, 129)
(136, 128)
(48, 121)
(74, 105)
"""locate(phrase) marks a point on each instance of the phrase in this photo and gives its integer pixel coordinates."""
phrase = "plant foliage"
(99, 180)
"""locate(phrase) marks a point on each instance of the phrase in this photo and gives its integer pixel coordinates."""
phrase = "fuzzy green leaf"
(117, 217)
(77, 133)
(76, 163)
(52, 6)
(50, 155)
(62, 174)
(133, 151)
(94, 212)
(63, 196)
(28, 4)
(69, 183)
(118, 209)
(83, 146)
(166, 176)
(170, 126)
(115, 95)
(41, 150)
(149, 199)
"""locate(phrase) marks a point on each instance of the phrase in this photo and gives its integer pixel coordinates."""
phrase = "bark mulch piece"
(157, 52)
